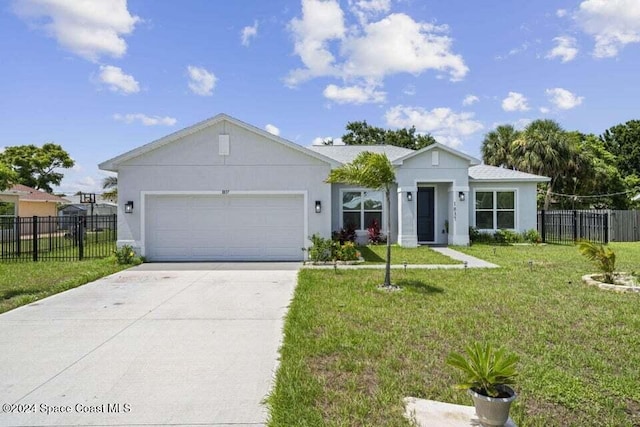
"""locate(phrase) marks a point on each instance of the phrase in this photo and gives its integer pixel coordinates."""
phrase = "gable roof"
(488, 173)
(29, 194)
(112, 164)
(439, 146)
(347, 153)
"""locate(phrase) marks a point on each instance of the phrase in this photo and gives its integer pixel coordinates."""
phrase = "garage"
(224, 227)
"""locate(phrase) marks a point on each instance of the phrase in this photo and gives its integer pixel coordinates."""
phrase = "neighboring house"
(100, 209)
(32, 202)
(225, 190)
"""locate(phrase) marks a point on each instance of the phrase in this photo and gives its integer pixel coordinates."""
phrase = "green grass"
(352, 352)
(376, 254)
(24, 283)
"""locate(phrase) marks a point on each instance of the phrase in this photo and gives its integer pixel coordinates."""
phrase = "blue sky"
(103, 77)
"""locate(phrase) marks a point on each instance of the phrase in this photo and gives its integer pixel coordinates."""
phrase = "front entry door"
(426, 217)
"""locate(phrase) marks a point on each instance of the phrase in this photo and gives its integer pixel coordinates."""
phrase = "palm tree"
(370, 170)
(110, 183)
(543, 149)
(496, 146)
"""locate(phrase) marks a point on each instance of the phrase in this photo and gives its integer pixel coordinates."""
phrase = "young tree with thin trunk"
(375, 171)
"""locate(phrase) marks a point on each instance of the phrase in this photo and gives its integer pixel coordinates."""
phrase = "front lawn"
(25, 282)
(376, 254)
(351, 352)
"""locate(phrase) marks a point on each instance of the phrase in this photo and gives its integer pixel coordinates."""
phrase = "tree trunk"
(547, 198)
(387, 270)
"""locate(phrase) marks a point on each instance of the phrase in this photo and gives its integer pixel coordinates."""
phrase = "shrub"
(375, 237)
(604, 258)
(345, 234)
(322, 250)
(125, 255)
(348, 252)
(477, 236)
(532, 236)
(507, 236)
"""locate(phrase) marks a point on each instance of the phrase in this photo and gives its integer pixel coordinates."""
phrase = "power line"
(575, 196)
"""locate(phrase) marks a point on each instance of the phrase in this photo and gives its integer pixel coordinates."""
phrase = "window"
(495, 210)
(361, 208)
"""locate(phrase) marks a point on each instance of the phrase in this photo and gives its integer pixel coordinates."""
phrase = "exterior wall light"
(318, 206)
(409, 196)
(128, 207)
(461, 196)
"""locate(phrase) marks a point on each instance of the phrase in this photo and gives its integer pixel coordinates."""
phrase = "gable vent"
(435, 158)
(223, 145)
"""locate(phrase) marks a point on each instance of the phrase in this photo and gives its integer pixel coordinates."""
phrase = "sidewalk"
(471, 262)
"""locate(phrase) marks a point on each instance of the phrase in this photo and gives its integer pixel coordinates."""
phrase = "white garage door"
(224, 227)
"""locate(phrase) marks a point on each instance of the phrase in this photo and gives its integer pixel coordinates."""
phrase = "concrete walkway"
(471, 262)
(171, 346)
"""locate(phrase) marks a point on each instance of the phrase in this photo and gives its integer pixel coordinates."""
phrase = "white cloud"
(321, 140)
(367, 9)
(561, 13)
(144, 119)
(563, 99)
(117, 80)
(354, 94)
(545, 110)
(565, 49)
(89, 29)
(470, 100)
(446, 126)
(515, 102)
(368, 51)
(272, 129)
(201, 81)
(398, 44)
(520, 124)
(321, 22)
(612, 23)
(248, 33)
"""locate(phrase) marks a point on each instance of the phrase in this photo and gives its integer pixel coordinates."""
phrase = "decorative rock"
(430, 413)
(589, 279)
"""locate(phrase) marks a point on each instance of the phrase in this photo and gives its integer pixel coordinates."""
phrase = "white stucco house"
(225, 190)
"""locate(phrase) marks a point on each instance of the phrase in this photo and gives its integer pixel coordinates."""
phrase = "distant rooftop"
(32, 195)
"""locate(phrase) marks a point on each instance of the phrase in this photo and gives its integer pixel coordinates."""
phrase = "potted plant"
(488, 374)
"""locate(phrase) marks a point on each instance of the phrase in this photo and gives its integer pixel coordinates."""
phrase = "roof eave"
(541, 179)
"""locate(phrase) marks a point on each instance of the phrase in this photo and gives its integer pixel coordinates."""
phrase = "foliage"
(497, 146)
(361, 133)
(348, 252)
(375, 237)
(7, 176)
(36, 166)
(345, 234)
(507, 236)
(323, 250)
(375, 171)
(125, 255)
(485, 368)
(110, 183)
(623, 141)
(532, 236)
(604, 258)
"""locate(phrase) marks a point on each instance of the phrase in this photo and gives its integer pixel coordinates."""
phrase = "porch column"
(407, 233)
(458, 215)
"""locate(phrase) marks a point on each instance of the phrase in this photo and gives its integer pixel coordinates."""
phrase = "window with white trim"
(361, 208)
(495, 210)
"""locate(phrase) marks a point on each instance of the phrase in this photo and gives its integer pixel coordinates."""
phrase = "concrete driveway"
(160, 344)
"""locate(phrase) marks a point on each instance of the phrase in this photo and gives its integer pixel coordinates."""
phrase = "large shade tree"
(362, 133)
(497, 146)
(374, 171)
(37, 167)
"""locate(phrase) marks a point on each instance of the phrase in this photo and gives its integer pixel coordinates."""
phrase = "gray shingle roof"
(346, 153)
(493, 173)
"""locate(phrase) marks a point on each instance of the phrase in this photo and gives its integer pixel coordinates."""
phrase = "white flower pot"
(493, 411)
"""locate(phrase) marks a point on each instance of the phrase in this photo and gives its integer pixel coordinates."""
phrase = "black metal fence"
(57, 238)
(567, 227)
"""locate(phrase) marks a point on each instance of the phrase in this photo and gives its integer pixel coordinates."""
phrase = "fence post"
(606, 228)
(80, 238)
(34, 242)
(575, 226)
(543, 228)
